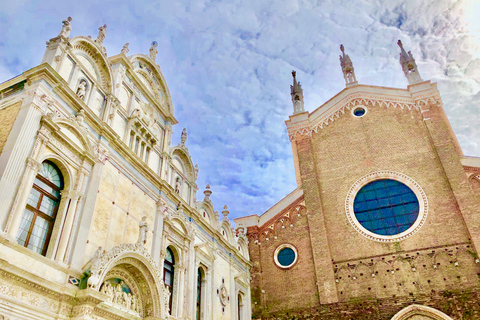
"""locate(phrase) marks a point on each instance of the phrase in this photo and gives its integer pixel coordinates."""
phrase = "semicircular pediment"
(93, 60)
(151, 76)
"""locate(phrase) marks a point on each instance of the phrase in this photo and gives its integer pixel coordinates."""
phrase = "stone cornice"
(413, 98)
(36, 283)
(22, 250)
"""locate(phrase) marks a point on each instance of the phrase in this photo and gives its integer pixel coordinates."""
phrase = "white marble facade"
(98, 211)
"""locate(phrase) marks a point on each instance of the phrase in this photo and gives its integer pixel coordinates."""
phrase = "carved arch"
(152, 73)
(184, 156)
(134, 259)
(419, 310)
(242, 246)
(99, 59)
(79, 132)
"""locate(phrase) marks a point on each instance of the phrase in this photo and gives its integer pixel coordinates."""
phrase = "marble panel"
(117, 228)
(131, 232)
(123, 193)
(101, 218)
(109, 180)
(136, 203)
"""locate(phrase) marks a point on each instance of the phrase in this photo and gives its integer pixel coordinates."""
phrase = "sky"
(228, 68)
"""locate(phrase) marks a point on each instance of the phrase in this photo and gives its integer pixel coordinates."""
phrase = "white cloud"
(228, 63)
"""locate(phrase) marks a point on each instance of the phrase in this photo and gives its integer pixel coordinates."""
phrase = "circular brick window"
(285, 256)
(386, 206)
(359, 111)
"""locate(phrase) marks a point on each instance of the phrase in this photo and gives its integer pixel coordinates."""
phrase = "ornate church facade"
(98, 212)
(385, 221)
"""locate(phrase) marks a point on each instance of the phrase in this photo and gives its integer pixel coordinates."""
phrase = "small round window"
(386, 207)
(359, 111)
(285, 256)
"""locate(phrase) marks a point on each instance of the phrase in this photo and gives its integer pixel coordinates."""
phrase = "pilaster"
(322, 259)
(18, 147)
(80, 239)
(444, 145)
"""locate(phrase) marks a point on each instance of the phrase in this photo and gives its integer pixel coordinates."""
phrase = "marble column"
(67, 226)
(21, 144)
(232, 290)
(33, 166)
(191, 283)
(79, 241)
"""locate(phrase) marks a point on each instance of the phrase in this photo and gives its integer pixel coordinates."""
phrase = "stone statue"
(196, 170)
(142, 232)
(166, 297)
(98, 253)
(183, 139)
(153, 50)
(66, 28)
(102, 32)
(177, 185)
(128, 301)
(81, 89)
(118, 294)
(124, 299)
(125, 48)
(133, 305)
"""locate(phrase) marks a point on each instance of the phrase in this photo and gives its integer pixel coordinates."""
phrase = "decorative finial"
(125, 48)
(207, 193)
(408, 65)
(225, 212)
(183, 139)
(153, 50)
(347, 67)
(296, 92)
(102, 32)
(66, 28)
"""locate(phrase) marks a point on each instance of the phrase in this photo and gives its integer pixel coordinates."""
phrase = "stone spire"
(125, 48)
(347, 68)
(409, 66)
(296, 92)
(102, 32)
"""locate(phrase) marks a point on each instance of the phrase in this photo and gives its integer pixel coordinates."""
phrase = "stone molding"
(416, 309)
(409, 182)
(349, 103)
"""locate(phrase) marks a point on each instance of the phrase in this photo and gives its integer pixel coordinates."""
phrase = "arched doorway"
(419, 312)
(130, 282)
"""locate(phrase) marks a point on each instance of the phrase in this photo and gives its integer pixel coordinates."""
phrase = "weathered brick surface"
(462, 304)
(7, 119)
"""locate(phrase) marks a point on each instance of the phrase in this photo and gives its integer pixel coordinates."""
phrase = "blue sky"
(228, 64)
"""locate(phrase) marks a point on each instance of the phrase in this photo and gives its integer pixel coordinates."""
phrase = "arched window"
(42, 205)
(239, 307)
(169, 273)
(199, 293)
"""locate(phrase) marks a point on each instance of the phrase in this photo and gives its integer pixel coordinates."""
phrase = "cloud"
(228, 63)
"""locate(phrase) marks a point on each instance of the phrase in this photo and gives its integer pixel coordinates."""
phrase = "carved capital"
(33, 164)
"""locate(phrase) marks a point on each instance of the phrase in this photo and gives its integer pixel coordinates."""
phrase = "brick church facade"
(385, 221)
